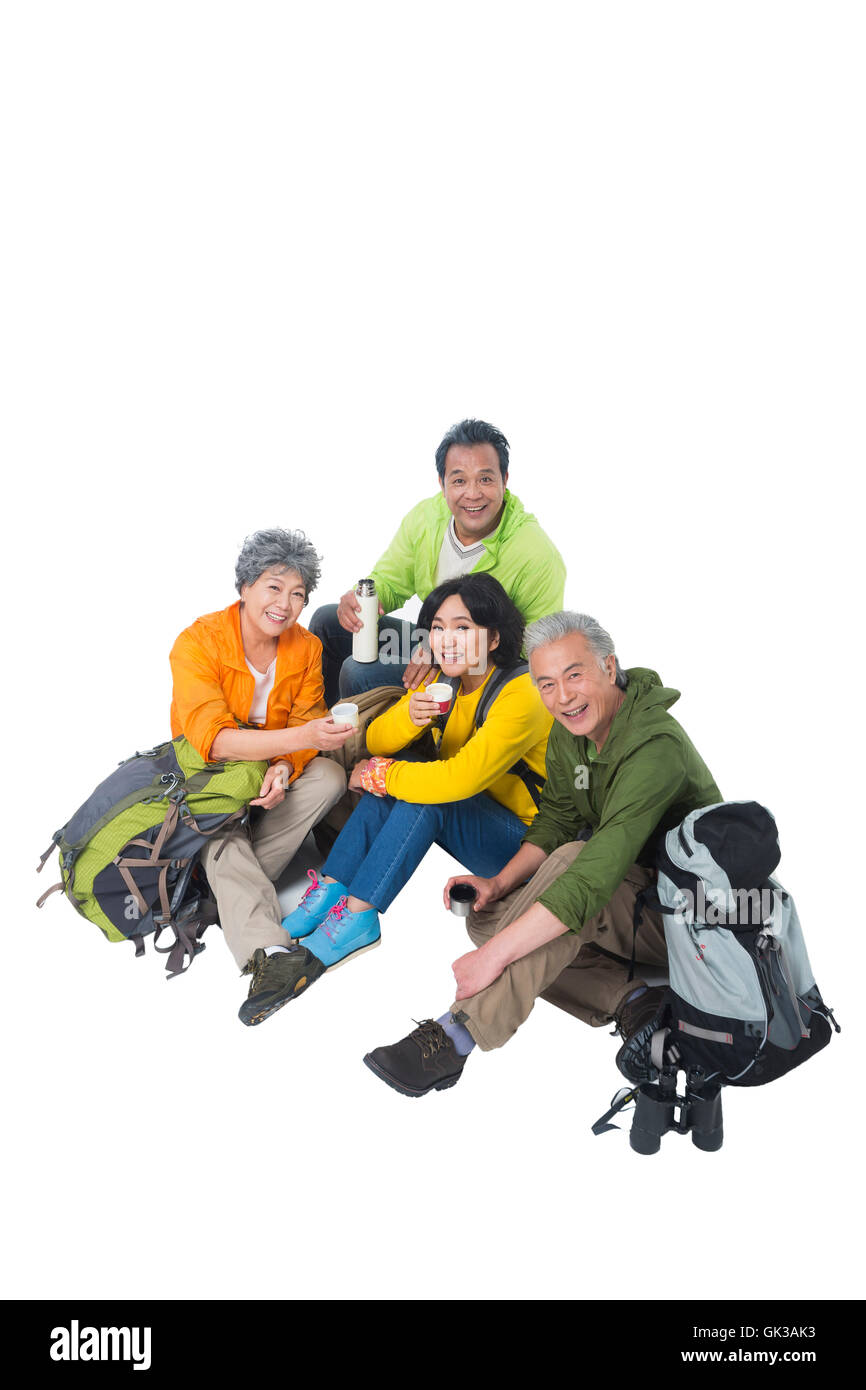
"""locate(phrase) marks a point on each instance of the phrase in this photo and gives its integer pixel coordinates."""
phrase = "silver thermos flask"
(365, 644)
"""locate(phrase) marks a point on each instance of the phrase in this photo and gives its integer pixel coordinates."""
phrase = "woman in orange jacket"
(247, 684)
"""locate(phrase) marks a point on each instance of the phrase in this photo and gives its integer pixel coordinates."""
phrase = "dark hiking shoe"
(277, 979)
(424, 1061)
(636, 1022)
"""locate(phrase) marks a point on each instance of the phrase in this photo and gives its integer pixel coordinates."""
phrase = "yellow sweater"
(471, 760)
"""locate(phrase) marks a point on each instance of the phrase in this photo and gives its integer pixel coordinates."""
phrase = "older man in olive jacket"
(620, 772)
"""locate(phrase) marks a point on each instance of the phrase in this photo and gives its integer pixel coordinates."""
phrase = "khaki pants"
(573, 971)
(242, 878)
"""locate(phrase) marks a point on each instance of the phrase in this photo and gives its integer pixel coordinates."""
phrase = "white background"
(257, 259)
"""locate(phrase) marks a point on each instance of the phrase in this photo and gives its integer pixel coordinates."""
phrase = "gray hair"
(558, 625)
(278, 550)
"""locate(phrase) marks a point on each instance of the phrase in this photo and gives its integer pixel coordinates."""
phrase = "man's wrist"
(497, 953)
(505, 882)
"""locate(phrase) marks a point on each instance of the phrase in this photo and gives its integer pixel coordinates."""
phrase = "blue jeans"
(343, 675)
(384, 841)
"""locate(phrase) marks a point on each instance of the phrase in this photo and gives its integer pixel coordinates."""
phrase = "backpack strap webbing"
(48, 853)
(55, 888)
(188, 932)
(620, 1100)
(187, 942)
(502, 676)
(647, 897)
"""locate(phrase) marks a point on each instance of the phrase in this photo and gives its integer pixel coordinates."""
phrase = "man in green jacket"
(473, 523)
(620, 768)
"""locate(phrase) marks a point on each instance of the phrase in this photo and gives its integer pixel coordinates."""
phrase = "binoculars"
(658, 1110)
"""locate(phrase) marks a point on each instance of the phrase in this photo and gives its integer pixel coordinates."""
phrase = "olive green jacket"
(646, 778)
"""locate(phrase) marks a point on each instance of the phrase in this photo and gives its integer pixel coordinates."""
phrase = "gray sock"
(269, 950)
(461, 1037)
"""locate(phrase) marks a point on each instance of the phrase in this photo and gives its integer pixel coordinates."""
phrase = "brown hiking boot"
(277, 979)
(424, 1061)
(636, 1021)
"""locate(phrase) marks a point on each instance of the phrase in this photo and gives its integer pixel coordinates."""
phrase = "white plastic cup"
(346, 714)
(441, 693)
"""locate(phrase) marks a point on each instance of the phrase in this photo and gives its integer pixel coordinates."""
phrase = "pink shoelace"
(315, 885)
(337, 912)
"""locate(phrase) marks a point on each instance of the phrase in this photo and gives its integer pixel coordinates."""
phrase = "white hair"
(558, 625)
(277, 550)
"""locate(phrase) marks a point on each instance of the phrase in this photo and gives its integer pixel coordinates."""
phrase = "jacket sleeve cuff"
(563, 905)
(374, 776)
(547, 837)
(205, 748)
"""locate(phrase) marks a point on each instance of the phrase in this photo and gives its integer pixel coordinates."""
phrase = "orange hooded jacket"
(214, 689)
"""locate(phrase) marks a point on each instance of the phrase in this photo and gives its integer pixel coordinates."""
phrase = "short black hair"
(489, 606)
(473, 432)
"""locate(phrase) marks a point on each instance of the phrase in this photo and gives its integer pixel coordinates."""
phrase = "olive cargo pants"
(574, 971)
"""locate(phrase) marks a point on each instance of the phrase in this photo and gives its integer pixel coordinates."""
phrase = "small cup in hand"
(441, 693)
(462, 896)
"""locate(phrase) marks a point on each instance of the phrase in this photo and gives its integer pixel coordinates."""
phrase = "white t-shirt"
(456, 559)
(264, 685)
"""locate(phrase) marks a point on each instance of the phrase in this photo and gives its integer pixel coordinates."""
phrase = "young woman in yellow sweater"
(473, 798)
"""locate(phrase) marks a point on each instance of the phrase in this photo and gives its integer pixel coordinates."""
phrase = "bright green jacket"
(645, 780)
(519, 554)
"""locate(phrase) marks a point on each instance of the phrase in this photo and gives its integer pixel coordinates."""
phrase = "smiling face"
(460, 647)
(272, 604)
(474, 489)
(578, 692)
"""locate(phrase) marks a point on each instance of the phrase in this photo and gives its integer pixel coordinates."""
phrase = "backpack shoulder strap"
(502, 676)
(440, 722)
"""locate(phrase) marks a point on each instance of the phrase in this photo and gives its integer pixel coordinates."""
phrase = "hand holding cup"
(484, 890)
(422, 708)
(442, 693)
(326, 735)
(346, 713)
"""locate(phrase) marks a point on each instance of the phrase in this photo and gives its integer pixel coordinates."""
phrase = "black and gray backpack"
(743, 1007)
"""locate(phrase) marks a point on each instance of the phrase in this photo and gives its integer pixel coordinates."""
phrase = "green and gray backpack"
(129, 855)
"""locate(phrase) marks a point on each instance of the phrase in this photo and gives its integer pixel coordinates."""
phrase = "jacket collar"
(513, 517)
(644, 694)
(618, 728)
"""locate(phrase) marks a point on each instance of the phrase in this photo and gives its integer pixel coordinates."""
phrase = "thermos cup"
(462, 897)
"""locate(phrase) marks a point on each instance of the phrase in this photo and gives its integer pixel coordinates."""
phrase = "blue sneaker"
(344, 934)
(314, 906)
